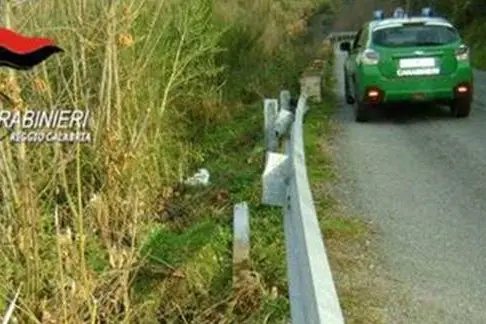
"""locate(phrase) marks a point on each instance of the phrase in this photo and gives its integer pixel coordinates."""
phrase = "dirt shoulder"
(350, 242)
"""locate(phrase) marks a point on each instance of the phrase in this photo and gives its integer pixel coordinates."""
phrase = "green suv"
(407, 59)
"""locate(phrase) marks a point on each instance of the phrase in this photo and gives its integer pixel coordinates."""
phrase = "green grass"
(201, 252)
(475, 40)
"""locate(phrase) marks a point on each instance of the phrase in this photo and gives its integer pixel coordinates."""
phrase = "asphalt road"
(421, 177)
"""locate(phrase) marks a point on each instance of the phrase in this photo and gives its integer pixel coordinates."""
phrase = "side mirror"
(345, 47)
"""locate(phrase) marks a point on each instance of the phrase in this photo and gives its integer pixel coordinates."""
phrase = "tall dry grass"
(154, 75)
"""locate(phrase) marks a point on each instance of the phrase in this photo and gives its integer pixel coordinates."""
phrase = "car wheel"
(361, 112)
(460, 108)
(347, 94)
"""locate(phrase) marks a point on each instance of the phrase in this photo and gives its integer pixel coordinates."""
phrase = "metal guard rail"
(312, 292)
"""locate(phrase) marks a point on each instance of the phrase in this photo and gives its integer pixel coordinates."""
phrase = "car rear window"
(415, 35)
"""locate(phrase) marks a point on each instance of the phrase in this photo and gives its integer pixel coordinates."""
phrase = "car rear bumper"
(431, 88)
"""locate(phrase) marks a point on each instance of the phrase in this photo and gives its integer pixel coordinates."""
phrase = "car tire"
(361, 112)
(347, 95)
(460, 108)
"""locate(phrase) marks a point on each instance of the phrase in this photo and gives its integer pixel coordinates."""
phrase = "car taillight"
(462, 53)
(370, 57)
(464, 89)
(373, 94)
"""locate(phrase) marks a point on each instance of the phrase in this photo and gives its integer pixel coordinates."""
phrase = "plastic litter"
(201, 177)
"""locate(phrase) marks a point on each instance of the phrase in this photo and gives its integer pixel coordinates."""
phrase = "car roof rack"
(427, 12)
(378, 15)
(399, 13)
